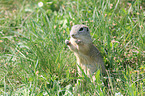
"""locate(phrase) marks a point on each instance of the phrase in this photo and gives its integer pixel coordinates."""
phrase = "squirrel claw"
(67, 42)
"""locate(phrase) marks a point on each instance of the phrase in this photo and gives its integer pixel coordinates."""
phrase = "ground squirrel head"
(81, 32)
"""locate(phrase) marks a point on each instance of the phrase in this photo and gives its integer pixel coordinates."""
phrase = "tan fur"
(88, 56)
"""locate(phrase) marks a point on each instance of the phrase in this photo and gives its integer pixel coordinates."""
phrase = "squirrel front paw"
(67, 42)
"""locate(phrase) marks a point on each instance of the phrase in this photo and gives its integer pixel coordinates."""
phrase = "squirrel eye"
(81, 29)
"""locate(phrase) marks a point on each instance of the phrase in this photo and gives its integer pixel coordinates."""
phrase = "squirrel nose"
(72, 35)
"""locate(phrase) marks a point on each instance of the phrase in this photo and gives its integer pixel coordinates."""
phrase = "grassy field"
(34, 59)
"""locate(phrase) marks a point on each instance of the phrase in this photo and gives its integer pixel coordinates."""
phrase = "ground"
(34, 59)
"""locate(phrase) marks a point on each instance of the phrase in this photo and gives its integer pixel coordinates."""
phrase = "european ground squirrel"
(88, 56)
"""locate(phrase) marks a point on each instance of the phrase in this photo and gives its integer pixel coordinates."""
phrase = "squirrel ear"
(87, 29)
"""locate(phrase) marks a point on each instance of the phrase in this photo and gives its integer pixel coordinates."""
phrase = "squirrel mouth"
(75, 37)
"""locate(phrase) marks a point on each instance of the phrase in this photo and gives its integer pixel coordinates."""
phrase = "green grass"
(34, 59)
